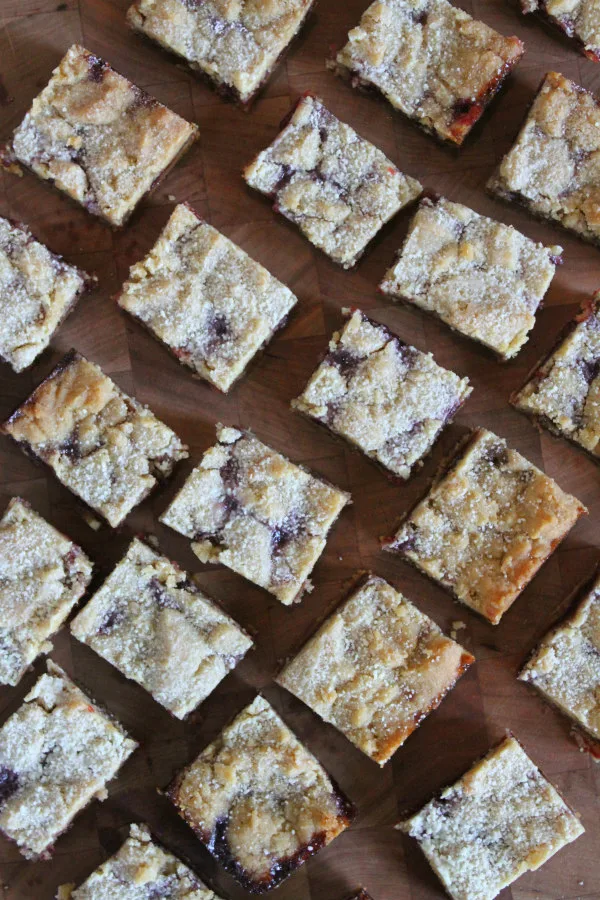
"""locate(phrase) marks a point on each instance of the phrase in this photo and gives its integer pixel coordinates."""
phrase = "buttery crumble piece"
(334, 185)
(38, 290)
(206, 300)
(42, 576)
(151, 621)
(98, 138)
(376, 668)
(553, 167)
(481, 277)
(104, 446)
(140, 870)
(259, 801)
(249, 508)
(57, 752)
(565, 668)
(235, 44)
(500, 820)
(578, 19)
(563, 393)
(488, 523)
(383, 396)
(430, 60)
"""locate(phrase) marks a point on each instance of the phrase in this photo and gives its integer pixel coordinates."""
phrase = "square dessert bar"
(42, 576)
(206, 300)
(248, 507)
(57, 752)
(578, 19)
(552, 168)
(334, 185)
(151, 621)
(383, 396)
(235, 44)
(500, 820)
(432, 61)
(563, 393)
(140, 870)
(565, 668)
(488, 523)
(259, 801)
(376, 668)
(98, 138)
(481, 277)
(104, 446)
(38, 290)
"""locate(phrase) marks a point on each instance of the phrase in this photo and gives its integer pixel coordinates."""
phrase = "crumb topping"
(141, 870)
(553, 167)
(565, 668)
(37, 290)
(103, 445)
(481, 277)
(578, 19)
(382, 395)
(210, 303)
(564, 393)
(500, 820)
(487, 525)
(259, 800)
(236, 43)
(57, 752)
(42, 576)
(431, 60)
(375, 668)
(248, 507)
(336, 186)
(99, 138)
(152, 623)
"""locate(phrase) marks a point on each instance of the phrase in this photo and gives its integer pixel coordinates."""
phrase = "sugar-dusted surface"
(211, 304)
(488, 698)
(151, 622)
(383, 396)
(336, 186)
(140, 870)
(501, 819)
(42, 576)
(259, 800)
(376, 668)
(481, 277)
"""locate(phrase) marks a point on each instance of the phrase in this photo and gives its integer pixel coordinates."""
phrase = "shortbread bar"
(481, 277)
(552, 168)
(57, 752)
(500, 820)
(205, 299)
(488, 523)
(431, 60)
(140, 870)
(98, 138)
(578, 19)
(334, 185)
(235, 45)
(151, 621)
(376, 668)
(383, 396)
(42, 576)
(103, 445)
(259, 801)
(249, 508)
(563, 393)
(565, 668)
(38, 290)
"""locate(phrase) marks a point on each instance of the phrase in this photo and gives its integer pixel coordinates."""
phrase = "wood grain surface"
(488, 700)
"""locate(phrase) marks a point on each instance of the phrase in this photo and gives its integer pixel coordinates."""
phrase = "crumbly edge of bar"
(555, 25)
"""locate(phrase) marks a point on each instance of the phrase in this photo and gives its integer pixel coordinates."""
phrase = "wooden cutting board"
(488, 700)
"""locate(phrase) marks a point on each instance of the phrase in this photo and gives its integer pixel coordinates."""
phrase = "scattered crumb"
(171, 198)
(94, 523)
(456, 627)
